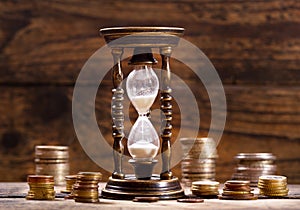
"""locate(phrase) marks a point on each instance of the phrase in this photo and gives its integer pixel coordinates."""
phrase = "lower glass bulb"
(143, 141)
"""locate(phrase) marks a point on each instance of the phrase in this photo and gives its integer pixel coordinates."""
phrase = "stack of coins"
(237, 190)
(85, 189)
(199, 159)
(52, 160)
(41, 187)
(205, 188)
(70, 181)
(253, 165)
(272, 185)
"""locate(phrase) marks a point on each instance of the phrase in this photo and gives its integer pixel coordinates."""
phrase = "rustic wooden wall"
(254, 45)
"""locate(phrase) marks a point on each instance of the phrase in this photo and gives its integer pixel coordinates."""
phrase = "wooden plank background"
(254, 45)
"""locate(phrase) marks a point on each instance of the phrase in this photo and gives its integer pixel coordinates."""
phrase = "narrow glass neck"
(145, 114)
(144, 66)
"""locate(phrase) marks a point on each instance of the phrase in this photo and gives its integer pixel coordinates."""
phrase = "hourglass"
(142, 87)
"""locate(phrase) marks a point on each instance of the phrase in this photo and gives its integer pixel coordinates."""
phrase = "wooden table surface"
(12, 197)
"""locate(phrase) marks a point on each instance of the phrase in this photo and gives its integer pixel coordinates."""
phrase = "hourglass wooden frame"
(164, 186)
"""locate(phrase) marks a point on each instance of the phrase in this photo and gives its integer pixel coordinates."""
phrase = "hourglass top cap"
(142, 36)
(141, 29)
(142, 56)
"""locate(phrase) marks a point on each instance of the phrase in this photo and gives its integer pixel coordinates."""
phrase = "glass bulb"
(142, 88)
(143, 141)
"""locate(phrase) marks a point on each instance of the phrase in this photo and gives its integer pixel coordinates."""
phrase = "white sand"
(143, 103)
(143, 150)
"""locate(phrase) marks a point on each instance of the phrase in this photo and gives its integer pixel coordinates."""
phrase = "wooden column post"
(166, 117)
(117, 113)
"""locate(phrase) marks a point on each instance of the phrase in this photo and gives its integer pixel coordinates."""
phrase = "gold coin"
(275, 194)
(264, 184)
(272, 188)
(86, 196)
(274, 191)
(85, 193)
(204, 190)
(238, 182)
(89, 175)
(40, 195)
(260, 186)
(226, 192)
(240, 197)
(273, 178)
(41, 184)
(41, 191)
(40, 198)
(272, 183)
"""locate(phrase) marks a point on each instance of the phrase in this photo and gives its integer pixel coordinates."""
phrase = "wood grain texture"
(248, 41)
(254, 45)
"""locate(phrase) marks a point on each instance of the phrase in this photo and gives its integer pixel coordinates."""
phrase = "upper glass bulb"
(142, 87)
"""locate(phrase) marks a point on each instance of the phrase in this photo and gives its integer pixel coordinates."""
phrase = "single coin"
(269, 188)
(65, 191)
(86, 200)
(145, 199)
(85, 187)
(240, 182)
(46, 147)
(272, 184)
(205, 193)
(206, 183)
(51, 152)
(283, 189)
(274, 178)
(85, 194)
(194, 191)
(255, 156)
(274, 194)
(41, 163)
(203, 188)
(39, 178)
(226, 197)
(274, 191)
(70, 177)
(235, 192)
(89, 176)
(238, 188)
(190, 200)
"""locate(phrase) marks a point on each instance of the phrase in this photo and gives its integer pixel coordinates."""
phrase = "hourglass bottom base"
(143, 169)
(130, 187)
